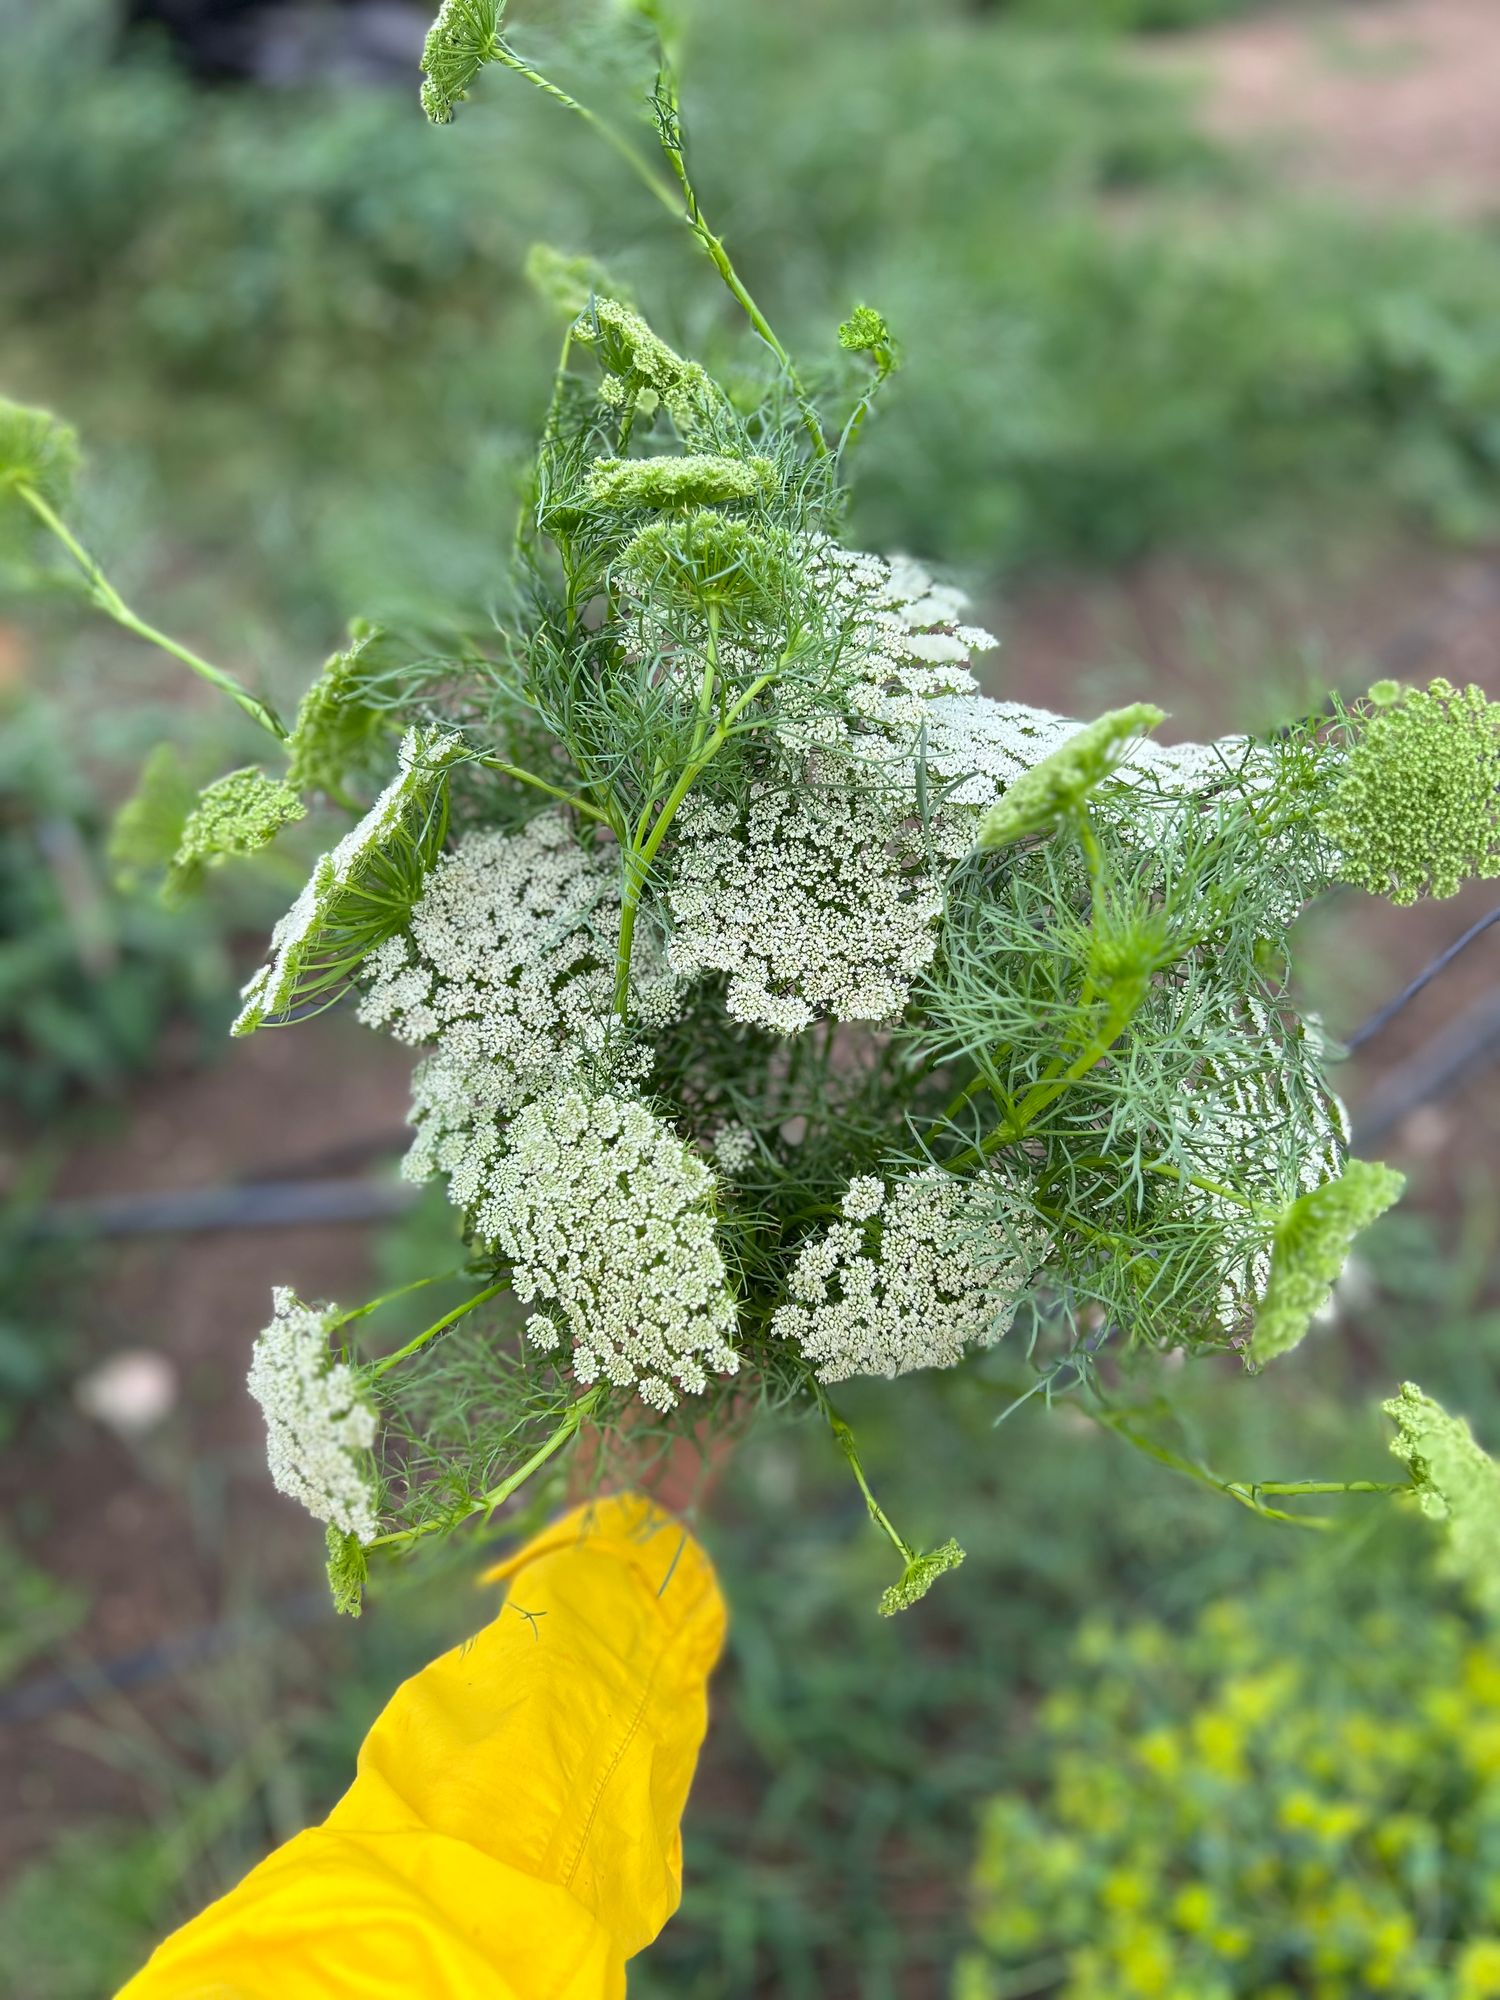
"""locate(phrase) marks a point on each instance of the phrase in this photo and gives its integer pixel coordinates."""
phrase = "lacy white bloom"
(912, 1282)
(319, 1428)
(509, 962)
(811, 900)
(325, 901)
(734, 1148)
(608, 1217)
(864, 1197)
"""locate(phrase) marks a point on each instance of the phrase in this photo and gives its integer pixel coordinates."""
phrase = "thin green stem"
(496, 1496)
(385, 1299)
(687, 210)
(670, 132)
(643, 852)
(555, 791)
(1044, 1092)
(1248, 1493)
(420, 1340)
(636, 160)
(844, 1438)
(109, 601)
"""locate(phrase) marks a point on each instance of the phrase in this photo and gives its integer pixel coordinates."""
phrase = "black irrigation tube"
(269, 1204)
(1444, 959)
(196, 1647)
(1436, 1067)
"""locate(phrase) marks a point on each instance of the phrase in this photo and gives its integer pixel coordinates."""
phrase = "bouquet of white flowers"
(788, 1008)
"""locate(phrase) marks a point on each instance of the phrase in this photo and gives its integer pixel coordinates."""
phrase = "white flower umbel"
(913, 1278)
(508, 961)
(734, 1148)
(329, 902)
(812, 901)
(319, 1428)
(608, 1218)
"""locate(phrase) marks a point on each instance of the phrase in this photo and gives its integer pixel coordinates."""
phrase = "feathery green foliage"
(1458, 1484)
(1417, 810)
(1310, 1247)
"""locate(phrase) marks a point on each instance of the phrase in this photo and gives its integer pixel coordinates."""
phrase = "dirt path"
(1394, 102)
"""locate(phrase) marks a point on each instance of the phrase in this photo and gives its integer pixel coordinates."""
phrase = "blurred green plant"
(88, 977)
(1299, 1795)
(1116, 339)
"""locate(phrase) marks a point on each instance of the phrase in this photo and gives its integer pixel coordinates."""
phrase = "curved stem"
(496, 1496)
(439, 1326)
(844, 1438)
(688, 210)
(541, 784)
(643, 852)
(109, 601)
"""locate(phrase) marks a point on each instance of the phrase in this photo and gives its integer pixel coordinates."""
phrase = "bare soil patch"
(1392, 102)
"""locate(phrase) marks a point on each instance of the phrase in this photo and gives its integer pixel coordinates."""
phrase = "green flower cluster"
(237, 814)
(37, 450)
(1057, 786)
(920, 1574)
(1458, 1484)
(1311, 1246)
(1284, 1802)
(1417, 810)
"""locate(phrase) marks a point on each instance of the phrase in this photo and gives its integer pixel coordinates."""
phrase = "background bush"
(1299, 1794)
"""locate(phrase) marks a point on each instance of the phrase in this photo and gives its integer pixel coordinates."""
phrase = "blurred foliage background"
(1191, 426)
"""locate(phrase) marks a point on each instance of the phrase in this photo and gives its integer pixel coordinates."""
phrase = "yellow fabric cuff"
(513, 1828)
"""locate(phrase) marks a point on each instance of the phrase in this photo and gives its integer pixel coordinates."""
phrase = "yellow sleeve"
(512, 1829)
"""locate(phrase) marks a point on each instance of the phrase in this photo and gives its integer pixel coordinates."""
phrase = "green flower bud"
(1457, 1484)
(459, 44)
(1054, 789)
(348, 1568)
(237, 814)
(1417, 811)
(634, 358)
(864, 331)
(1310, 1248)
(696, 479)
(920, 1574)
(37, 450)
(336, 725)
(709, 559)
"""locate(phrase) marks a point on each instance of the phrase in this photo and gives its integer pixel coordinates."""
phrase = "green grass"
(295, 330)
